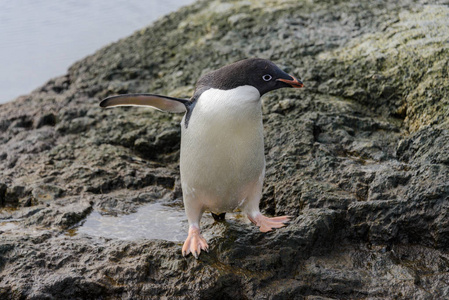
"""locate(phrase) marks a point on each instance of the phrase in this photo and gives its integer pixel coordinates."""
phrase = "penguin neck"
(240, 104)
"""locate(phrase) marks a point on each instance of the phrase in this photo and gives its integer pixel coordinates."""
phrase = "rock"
(359, 158)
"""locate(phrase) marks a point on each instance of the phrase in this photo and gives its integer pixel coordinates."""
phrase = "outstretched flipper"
(164, 103)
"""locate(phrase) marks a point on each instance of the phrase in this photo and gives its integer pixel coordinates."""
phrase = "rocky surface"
(360, 157)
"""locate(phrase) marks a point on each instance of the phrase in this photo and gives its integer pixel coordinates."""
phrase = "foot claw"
(194, 243)
(267, 224)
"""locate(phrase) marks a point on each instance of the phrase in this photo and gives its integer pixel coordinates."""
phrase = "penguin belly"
(222, 149)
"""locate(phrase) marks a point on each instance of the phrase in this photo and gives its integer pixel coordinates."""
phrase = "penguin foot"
(194, 243)
(266, 224)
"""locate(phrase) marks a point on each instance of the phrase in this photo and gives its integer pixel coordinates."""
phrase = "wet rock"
(358, 158)
(47, 193)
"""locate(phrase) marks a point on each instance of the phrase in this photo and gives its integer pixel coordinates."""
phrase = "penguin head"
(262, 74)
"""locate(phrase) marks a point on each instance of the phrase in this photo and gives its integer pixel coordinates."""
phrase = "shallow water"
(7, 225)
(151, 221)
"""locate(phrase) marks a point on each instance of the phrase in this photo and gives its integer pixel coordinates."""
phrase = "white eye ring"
(267, 77)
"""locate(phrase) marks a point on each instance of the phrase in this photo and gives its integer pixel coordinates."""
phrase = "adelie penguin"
(222, 150)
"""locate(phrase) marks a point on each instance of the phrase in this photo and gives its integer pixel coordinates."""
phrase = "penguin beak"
(293, 82)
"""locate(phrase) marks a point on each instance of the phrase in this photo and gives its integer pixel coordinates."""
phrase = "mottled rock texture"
(360, 158)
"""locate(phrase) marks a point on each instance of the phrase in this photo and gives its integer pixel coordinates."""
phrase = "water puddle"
(8, 225)
(151, 221)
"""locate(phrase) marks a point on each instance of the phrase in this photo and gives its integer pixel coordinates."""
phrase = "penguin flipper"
(164, 103)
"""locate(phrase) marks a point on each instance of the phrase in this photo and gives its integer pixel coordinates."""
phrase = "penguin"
(222, 160)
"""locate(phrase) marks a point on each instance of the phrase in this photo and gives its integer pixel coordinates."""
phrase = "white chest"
(222, 148)
(225, 113)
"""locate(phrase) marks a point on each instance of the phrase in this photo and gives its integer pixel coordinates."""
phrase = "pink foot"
(267, 224)
(194, 243)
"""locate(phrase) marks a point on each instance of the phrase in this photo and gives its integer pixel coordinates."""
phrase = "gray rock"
(359, 158)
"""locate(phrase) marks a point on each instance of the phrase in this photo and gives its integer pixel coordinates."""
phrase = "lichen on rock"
(417, 86)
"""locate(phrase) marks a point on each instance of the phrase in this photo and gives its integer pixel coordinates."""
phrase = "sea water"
(41, 39)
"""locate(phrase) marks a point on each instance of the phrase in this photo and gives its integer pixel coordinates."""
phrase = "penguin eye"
(267, 77)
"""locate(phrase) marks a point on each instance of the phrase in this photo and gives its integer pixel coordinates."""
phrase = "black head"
(259, 73)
